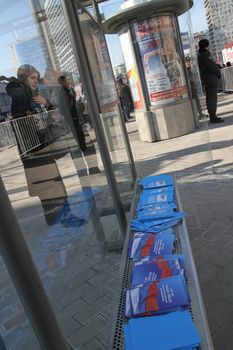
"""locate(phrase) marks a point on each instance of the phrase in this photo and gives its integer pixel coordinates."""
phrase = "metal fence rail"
(227, 78)
(31, 131)
(7, 137)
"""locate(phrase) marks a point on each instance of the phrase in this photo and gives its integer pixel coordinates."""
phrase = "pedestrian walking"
(210, 74)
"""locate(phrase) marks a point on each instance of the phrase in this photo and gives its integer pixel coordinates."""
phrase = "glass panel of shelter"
(110, 113)
(175, 156)
(52, 170)
(199, 144)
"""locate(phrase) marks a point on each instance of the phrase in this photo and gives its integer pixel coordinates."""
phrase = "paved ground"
(203, 165)
(81, 278)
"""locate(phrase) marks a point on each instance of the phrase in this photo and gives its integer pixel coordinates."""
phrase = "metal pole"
(127, 145)
(96, 11)
(79, 51)
(184, 68)
(125, 135)
(26, 279)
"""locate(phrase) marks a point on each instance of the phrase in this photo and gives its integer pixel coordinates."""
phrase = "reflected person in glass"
(39, 160)
(68, 105)
(193, 87)
(24, 92)
(124, 94)
(25, 100)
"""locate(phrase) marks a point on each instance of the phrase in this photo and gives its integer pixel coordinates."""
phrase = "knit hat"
(24, 71)
(203, 43)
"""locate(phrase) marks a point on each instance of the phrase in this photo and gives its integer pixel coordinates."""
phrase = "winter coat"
(67, 104)
(209, 70)
(22, 103)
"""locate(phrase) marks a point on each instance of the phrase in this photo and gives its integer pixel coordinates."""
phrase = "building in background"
(227, 53)
(219, 15)
(44, 33)
(13, 57)
(28, 51)
(199, 36)
(60, 35)
(185, 41)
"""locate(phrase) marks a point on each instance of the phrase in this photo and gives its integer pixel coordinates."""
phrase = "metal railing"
(31, 131)
(227, 78)
(7, 137)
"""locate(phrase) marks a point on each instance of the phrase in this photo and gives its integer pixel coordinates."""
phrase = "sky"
(198, 12)
(16, 15)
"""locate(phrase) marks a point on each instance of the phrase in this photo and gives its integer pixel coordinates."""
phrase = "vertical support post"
(185, 70)
(96, 11)
(125, 135)
(127, 143)
(26, 279)
(79, 51)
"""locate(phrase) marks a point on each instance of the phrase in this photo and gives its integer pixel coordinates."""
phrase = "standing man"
(125, 97)
(210, 74)
(68, 104)
(193, 87)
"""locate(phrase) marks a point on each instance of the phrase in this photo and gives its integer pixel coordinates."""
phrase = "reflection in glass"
(52, 169)
(105, 87)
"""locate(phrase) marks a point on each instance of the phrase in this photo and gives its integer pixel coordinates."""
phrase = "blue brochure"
(155, 221)
(156, 196)
(152, 332)
(151, 259)
(157, 181)
(160, 297)
(152, 212)
(154, 227)
(155, 270)
(149, 244)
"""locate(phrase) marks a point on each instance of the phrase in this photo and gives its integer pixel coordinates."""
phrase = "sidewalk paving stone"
(202, 162)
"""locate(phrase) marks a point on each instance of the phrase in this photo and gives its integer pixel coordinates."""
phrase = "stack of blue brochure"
(148, 244)
(158, 280)
(156, 196)
(156, 298)
(156, 209)
(150, 269)
(157, 181)
(174, 331)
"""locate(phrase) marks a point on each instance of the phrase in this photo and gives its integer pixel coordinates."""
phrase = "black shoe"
(217, 120)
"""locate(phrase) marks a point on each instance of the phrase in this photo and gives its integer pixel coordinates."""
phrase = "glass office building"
(30, 51)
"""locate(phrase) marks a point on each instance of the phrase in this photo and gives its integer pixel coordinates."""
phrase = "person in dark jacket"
(26, 100)
(124, 94)
(24, 92)
(210, 74)
(41, 171)
(193, 87)
(68, 108)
